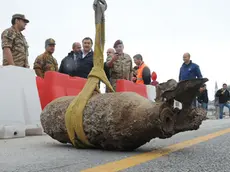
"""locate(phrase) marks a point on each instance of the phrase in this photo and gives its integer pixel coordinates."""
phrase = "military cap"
(20, 16)
(50, 41)
(118, 42)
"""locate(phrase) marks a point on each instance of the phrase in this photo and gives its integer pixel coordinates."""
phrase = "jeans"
(204, 106)
(222, 105)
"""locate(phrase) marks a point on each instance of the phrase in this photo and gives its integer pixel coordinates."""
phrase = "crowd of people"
(190, 70)
(79, 62)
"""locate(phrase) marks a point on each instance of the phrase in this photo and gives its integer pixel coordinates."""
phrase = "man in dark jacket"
(189, 70)
(224, 97)
(203, 97)
(83, 63)
(69, 63)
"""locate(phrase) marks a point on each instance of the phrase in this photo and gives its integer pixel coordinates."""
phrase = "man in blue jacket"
(189, 70)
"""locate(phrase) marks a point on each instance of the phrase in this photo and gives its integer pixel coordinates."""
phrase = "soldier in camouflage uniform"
(46, 62)
(14, 45)
(120, 64)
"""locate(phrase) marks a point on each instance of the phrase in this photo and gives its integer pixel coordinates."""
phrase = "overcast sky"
(159, 30)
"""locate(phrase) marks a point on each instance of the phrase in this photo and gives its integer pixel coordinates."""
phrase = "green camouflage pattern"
(45, 62)
(121, 69)
(18, 46)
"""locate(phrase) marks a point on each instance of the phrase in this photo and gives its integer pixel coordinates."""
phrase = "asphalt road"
(204, 154)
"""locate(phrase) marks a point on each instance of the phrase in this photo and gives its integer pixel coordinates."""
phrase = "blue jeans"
(222, 105)
(204, 106)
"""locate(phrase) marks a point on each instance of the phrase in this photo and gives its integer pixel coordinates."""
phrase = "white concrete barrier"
(151, 92)
(20, 105)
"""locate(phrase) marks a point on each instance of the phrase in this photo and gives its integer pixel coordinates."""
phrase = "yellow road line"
(145, 157)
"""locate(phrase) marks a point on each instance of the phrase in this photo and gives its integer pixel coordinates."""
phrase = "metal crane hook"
(102, 3)
(99, 7)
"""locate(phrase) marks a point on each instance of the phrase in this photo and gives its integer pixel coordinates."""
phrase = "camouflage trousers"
(113, 83)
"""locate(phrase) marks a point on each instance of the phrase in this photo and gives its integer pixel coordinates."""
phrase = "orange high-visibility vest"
(139, 74)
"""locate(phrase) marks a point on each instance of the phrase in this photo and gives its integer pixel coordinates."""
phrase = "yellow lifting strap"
(74, 113)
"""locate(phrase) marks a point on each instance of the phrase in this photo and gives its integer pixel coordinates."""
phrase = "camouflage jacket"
(45, 62)
(18, 46)
(122, 67)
